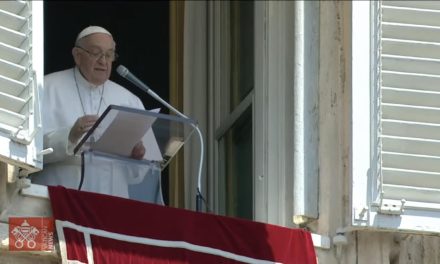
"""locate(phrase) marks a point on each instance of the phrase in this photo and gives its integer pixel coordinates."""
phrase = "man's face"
(93, 56)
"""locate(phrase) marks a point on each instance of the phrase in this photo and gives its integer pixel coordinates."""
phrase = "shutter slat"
(410, 113)
(12, 21)
(411, 177)
(410, 97)
(15, 7)
(10, 86)
(410, 64)
(411, 81)
(411, 16)
(433, 5)
(12, 37)
(411, 48)
(11, 103)
(410, 193)
(411, 162)
(415, 146)
(411, 32)
(411, 129)
(13, 54)
(11, 70)
(11, 118)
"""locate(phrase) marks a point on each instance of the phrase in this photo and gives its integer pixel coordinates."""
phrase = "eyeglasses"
(109, 55)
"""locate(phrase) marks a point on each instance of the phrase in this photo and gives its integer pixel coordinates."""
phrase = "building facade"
(316, 115)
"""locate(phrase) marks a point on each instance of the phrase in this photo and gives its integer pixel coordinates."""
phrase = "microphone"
(124, 72)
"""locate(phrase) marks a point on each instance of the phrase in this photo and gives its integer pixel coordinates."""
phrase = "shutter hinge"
(391, 207)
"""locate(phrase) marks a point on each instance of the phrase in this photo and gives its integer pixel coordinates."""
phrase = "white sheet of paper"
(116, 139)
(152, 150)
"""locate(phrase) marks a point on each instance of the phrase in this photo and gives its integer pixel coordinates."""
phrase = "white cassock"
(61, 108)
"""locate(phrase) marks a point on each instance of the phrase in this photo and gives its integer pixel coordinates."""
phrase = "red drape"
(171, 235)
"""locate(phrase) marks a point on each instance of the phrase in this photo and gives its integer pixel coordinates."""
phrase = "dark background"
(140, 30)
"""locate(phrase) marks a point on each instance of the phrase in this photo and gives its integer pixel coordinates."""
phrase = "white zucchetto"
(92, 30)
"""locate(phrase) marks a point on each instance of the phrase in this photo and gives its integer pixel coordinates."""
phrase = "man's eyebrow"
(100, 48)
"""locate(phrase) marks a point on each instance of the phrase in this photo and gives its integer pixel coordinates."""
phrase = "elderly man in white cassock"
(73, 100)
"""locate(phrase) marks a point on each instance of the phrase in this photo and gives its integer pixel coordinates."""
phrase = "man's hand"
(138, 151)
(81, 126)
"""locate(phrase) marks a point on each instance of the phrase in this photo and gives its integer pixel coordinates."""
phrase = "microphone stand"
(199, 133)
(123, 71)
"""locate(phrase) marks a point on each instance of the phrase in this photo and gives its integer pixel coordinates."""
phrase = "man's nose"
(103, 58)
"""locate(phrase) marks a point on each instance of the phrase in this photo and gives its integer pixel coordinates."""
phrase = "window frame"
(224, 119)
(272, 108)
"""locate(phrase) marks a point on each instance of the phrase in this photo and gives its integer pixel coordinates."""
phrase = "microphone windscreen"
(121, 70)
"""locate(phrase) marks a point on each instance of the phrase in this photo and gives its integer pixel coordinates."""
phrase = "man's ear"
(75, 54)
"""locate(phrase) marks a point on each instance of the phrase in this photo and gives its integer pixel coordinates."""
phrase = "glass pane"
(238, 180)
(242, 50)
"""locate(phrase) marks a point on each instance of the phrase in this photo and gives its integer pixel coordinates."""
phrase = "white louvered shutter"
(396, 115)
(410, 102)
(21, 76)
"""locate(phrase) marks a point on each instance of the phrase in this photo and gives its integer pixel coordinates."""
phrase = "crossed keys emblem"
(25, 232)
